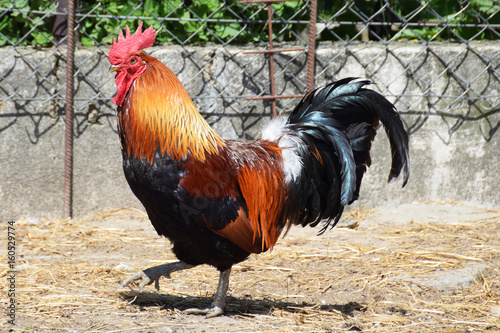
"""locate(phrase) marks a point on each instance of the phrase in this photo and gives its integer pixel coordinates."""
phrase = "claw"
(145, 280)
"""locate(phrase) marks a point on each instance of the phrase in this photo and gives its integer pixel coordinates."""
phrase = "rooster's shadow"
(236, 306)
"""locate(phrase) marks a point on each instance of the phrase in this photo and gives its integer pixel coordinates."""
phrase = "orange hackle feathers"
(159, 114)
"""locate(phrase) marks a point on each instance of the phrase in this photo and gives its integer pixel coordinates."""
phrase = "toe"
(209, 312)
(145, 280)
(196, 311)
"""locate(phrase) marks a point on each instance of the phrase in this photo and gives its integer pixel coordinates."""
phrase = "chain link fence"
(439, 61)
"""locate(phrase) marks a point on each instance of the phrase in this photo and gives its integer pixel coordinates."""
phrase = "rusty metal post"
(272, 50)
(311, 51)
(271, 57)
(68, 133)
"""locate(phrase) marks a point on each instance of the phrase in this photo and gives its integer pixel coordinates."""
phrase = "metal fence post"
(311, 48)
(68, 133)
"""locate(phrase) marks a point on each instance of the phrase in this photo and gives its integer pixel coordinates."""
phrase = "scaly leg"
(153, 274)
(219, 303)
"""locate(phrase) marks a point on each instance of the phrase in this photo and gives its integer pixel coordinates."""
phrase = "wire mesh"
(437, 60)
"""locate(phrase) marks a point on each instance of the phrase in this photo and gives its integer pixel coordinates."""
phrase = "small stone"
(33, 220)
(123, 267)
(495, 310)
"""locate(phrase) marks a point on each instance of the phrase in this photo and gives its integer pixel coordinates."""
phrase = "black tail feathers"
(337, 124)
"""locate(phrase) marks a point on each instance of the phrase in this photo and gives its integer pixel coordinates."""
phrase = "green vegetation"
(24, 22)
(429, 20)
(29, 22)
(185, 20)
(18, 26)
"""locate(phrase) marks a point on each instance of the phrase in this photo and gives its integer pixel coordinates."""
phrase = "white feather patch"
(274, 129)
(291, 146)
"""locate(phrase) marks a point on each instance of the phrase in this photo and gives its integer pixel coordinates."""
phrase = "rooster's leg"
(219, 304)
(153, 274)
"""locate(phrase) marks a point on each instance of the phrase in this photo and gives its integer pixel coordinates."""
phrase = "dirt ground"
(424, 267)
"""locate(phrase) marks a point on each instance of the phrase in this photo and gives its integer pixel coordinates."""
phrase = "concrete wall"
(460, 167)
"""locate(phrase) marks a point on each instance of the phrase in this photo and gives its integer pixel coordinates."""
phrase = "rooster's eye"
(133, 61)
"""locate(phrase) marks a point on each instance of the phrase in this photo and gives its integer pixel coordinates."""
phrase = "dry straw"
(371, 279)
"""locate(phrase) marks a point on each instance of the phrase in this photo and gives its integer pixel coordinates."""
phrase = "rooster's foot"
(153, 274)
(219, 303)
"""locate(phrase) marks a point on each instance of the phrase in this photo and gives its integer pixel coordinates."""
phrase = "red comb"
(130, 44)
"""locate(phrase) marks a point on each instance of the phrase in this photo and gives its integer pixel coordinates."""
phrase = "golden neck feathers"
(158, 114)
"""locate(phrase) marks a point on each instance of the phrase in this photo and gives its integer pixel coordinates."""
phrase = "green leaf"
(86, 42)
(228, 31)
(40, 39)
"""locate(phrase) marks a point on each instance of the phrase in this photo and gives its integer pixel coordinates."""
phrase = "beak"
(114, 68)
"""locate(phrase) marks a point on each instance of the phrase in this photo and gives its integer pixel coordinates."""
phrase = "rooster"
(218, 200)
